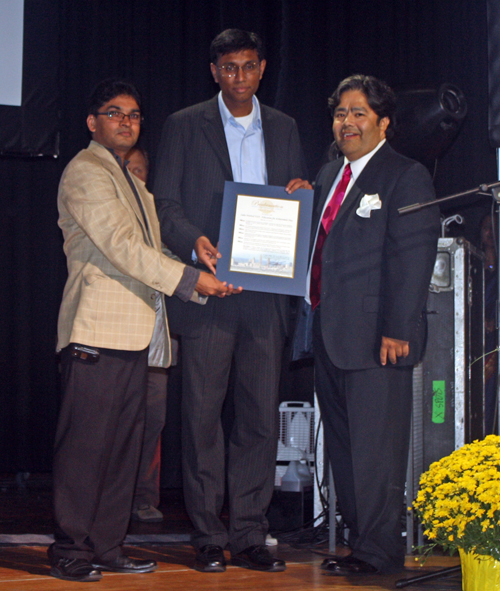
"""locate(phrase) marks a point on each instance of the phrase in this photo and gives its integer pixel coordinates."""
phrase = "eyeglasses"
(119, 116)
(231, 70)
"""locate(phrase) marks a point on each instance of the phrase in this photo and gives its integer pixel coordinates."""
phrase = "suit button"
(153, 296)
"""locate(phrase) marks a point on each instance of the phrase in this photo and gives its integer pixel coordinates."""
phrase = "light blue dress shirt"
(246, 146)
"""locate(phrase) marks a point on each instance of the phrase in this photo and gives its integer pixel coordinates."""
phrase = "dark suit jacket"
(376, 270)
(192, 165)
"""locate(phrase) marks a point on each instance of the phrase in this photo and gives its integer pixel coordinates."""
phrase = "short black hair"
(109, 89)
(233, 41)
(379, 95)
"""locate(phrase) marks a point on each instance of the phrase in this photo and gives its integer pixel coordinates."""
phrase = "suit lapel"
(353, 196)
(214, 132)
(273, 144)
(149, 211)
(109, 162)
(326, 184)
(370, 171)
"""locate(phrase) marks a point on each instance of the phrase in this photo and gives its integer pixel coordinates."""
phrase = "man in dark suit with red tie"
(368, 285)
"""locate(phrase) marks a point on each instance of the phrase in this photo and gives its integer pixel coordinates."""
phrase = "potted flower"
(458, 505)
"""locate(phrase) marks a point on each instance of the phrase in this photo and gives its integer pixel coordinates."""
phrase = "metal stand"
(427, 577)
(322, 463)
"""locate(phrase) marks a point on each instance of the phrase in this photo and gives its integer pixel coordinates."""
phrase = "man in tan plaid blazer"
(112, 308)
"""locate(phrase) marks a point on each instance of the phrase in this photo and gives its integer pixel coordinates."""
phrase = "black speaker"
(427, 122)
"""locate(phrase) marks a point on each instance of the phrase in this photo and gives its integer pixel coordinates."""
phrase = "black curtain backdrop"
(162, 46)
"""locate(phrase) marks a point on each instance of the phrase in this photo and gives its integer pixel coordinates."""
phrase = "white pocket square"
(367, 204)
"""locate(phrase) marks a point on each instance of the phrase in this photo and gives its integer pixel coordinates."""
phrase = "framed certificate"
(264, 238)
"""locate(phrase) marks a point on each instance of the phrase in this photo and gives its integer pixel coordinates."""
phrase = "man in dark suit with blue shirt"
(369, 279)
(230, 137)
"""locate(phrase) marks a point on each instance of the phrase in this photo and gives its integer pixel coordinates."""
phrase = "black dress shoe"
(344, 567)
(75, 569)
(210, 559)
(124, 564)
(258, 557)
(331, 559)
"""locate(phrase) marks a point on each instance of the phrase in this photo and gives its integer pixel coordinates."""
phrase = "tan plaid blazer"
(113, 269)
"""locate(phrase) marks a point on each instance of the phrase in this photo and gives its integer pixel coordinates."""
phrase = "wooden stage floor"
(24, 566)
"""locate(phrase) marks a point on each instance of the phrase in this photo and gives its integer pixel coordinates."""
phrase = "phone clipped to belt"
(84, 353)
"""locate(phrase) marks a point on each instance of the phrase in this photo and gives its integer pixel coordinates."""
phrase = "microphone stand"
(493, 189)
(487, 190)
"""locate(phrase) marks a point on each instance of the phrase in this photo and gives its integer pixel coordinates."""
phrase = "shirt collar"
(358, 165)
(121, 163)
(227, 116)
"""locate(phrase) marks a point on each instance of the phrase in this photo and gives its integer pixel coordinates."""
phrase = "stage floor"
(26, 527)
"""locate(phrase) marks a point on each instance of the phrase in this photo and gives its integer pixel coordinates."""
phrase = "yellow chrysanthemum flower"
(459, 499)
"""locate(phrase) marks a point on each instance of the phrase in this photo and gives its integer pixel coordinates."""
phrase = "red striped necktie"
(326, 223)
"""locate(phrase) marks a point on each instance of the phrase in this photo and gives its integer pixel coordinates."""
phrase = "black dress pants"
(247, 329)
(147, 488)
(97, 448)
(367, 416)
